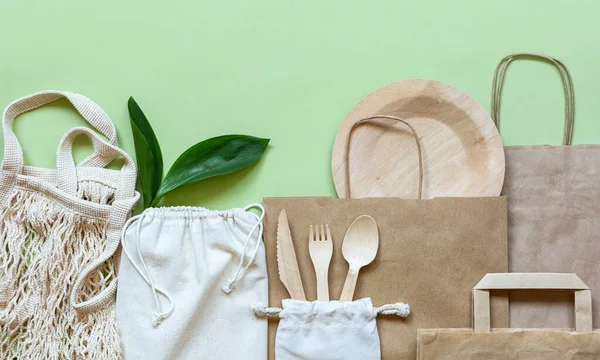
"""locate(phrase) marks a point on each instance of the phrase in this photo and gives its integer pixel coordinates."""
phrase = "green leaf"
(147, 153)
(216, 156)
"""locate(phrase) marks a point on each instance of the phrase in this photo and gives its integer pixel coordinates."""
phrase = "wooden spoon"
(359, 249)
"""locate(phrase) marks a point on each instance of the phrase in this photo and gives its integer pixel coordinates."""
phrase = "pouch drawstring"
(241, 269)
(158, 315)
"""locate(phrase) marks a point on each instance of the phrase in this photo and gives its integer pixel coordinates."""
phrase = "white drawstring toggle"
(157, 319)
(241, 269)
(227, 288)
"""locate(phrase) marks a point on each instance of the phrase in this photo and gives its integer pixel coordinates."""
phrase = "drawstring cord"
(158, 315)
(241, 270)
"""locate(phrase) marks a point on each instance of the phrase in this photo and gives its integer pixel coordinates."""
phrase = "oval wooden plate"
(462, 151)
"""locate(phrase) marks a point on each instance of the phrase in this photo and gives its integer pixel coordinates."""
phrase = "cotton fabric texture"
(183, 291)
(553, 213)
(59, 240)
(327, 331)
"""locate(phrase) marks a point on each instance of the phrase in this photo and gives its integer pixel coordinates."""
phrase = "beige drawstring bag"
(188, 279)
(59, 236)
(329, 330)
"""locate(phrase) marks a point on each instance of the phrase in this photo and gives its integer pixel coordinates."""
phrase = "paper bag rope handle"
(525, 281)
(565, 76)
(395, 118)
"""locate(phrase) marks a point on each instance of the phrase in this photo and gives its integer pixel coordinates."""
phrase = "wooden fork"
(320, 247)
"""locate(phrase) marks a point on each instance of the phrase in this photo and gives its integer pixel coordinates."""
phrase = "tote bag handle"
(395, 118)
(528, 281)
(89, 110)
(125, 199)
(565, 76)
(67, 170)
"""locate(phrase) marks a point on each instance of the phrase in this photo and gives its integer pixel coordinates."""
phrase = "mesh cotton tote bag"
(59, 232)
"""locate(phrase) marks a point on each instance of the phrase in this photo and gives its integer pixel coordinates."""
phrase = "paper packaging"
(431, 254)
(482, 342)
(553, 219)
(509, 344)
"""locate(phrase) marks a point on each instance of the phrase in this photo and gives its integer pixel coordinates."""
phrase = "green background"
(287, 70)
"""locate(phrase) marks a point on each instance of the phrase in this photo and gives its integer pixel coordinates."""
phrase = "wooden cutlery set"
(359, 249)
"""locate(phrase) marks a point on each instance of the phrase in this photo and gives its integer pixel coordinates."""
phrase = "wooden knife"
(289, 273)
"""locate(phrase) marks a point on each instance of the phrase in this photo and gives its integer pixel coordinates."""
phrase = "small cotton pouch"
(329, 330)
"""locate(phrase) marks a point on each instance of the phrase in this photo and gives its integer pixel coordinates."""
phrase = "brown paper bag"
(431, 253)
(554, 214)
(523, 344)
